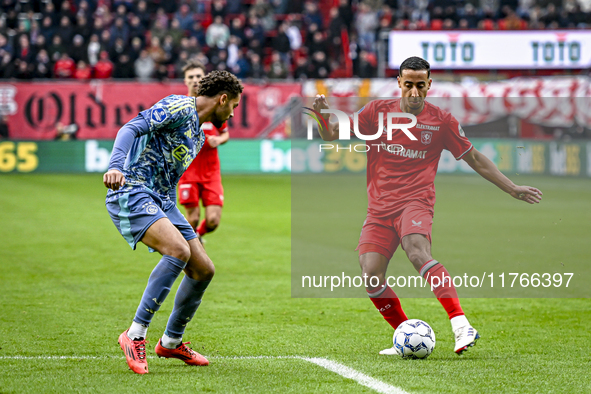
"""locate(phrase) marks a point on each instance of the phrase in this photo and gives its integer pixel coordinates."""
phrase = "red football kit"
(203, 179)
(400, 188)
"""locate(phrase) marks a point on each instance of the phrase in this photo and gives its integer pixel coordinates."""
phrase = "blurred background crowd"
(275, 39)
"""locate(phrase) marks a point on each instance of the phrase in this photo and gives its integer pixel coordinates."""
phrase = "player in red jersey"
(203, 179)
(401, 193)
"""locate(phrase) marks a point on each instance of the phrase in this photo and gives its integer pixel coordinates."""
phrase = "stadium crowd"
(276, 39)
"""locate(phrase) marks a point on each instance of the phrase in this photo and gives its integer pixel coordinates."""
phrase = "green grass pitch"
(70, 286)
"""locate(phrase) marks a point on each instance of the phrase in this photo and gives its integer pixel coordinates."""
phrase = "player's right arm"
(333, 128)
(114, 178)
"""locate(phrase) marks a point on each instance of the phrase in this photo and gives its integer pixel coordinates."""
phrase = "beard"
(216, 121)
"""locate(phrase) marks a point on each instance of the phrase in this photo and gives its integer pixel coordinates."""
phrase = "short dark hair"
(220, 81)
(193, 64)
(415, 63)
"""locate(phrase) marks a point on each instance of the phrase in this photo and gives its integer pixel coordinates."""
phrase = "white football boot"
(466, 336)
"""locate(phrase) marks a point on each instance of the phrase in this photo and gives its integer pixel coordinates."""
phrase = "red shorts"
(384, 234)
(210, 193)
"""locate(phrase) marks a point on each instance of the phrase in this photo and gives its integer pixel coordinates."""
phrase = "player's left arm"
(489, 171)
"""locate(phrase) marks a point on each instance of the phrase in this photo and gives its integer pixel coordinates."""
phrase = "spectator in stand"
(263, 11)
(83, 27)
(106, 41)
(169, 49)
(51, 13)
(256, 67)
(367, 65)
(103, 69)
(161, 19)
(93, 50)
(294, 34)
(156, 52)
(159, 29)
(241, 69)
(79, 51)
(23, 50)
(302, 70)
(217, 34)
(66, 10)
(312, 14)
(47, 28)
(136, 48)
(64, 67)
(118, 49)
(366, 22)
(42, 65)
(281, 43)
(56, 48)
(120, 30)
(84, 9)
(5, 45)
(143, 13)
(136, 29)
(233, 52)
(220, 60)
(277, 68)
(7, 67)
(65, 31)
(235, 7)
(124, 67)
(97, 27)
(218, 8)
(176, 32)
(237, 29)
(254, 30)
(320, 66)
(198, 33)
(335, 27)
(318, 43)
(184, 17)
(144, 66)
(83, 71)
(161, 73)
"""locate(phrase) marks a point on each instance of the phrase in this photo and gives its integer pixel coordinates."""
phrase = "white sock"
(137, 330)
(458, 322)
(170, 343)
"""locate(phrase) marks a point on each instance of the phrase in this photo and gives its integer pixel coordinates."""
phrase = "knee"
(212, 223)
(417, 256)
(180, 251)
(206, 271)
(193, 219)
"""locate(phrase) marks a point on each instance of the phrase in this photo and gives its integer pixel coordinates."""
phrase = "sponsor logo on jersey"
(158, 115)
(426, 137)
(427, 127)
(410, 153)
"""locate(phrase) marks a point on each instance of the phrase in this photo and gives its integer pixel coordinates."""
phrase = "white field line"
(333, 366)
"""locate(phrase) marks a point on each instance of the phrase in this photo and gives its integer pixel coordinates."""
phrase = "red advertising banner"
(99, 108)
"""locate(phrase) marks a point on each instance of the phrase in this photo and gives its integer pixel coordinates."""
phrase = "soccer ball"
(414, 339)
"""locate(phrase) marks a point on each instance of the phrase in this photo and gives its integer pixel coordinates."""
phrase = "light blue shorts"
(134, 212)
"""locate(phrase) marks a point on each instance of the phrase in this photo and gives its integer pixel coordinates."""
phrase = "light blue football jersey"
(167, 139)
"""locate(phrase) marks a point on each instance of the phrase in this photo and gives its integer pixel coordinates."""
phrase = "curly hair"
(193, 64)
(220, 81)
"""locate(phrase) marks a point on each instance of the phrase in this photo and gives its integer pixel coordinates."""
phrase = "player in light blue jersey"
(150, 154)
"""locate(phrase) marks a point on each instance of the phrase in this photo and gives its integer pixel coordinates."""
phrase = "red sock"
(434, 271)
(202, 229)
(389, 306)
